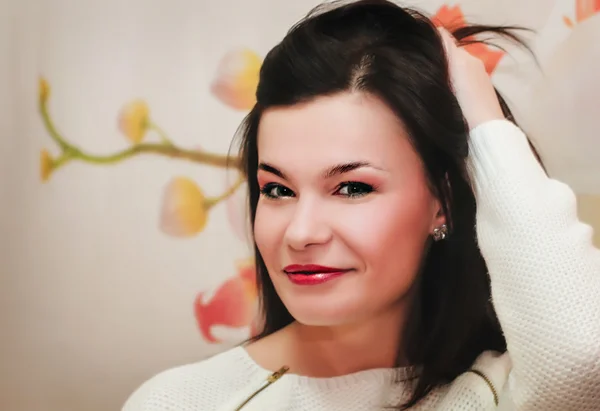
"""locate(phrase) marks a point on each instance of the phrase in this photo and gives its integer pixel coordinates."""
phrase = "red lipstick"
(312, 274)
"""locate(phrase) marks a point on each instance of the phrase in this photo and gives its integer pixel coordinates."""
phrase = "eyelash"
(366, 189)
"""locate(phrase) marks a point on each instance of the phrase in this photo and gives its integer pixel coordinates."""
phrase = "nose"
(307, 226)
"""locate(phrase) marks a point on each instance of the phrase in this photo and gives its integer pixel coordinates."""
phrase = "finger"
(449, 37)
(448, 40)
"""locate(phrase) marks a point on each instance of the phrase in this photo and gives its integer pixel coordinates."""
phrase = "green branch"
(164, 148)
(210, 202)
(134, 123)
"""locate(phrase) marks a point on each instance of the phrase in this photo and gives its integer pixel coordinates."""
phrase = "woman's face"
(345, 210)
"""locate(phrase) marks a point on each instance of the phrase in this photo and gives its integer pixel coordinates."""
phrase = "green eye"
(353, 189)
(273, 190)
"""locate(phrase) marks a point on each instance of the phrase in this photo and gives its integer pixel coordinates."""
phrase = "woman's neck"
(317, 351)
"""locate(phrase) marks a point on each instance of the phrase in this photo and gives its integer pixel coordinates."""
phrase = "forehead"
(334, 129)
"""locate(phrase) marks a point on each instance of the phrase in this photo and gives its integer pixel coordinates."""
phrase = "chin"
(323, 315)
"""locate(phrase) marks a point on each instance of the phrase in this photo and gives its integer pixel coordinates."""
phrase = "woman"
(372, 142)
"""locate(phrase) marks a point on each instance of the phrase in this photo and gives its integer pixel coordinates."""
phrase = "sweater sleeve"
(544, 270)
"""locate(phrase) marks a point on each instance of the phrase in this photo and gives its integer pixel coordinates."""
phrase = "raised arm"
(544, 270)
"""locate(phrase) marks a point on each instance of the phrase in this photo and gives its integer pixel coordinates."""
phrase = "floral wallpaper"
(125, 247)
(185, 209)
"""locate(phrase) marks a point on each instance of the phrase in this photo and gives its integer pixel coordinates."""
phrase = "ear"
(438, 217)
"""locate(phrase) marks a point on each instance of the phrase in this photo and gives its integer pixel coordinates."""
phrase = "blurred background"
(123, 246)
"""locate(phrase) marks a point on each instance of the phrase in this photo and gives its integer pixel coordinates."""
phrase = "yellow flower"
(46, 165)
(43, 90)
(134, 120)
(184, 208)
(237, 79)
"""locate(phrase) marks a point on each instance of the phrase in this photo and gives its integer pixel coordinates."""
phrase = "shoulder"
(198, 386)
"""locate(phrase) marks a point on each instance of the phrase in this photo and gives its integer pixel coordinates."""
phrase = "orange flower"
(233, 304)
(237, 79)
(46, 165)
(453, 18)
(490, 57)
(450, 18)
(586, 8)
(43, 90)
(134, 120)
(184, 212)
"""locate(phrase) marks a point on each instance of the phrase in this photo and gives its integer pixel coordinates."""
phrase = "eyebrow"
(330, 172)
(345, 168)
(271, 169)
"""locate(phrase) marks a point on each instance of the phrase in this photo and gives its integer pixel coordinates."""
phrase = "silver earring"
(440, 233)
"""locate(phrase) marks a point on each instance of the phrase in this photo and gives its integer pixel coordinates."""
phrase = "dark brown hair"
(396, 54)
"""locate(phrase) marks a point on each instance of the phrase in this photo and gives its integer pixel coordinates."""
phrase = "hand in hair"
(471, 84)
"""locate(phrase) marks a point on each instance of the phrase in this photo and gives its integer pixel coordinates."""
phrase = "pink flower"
(184, 211)
(233, 304)
(134, 120)
(237, 79)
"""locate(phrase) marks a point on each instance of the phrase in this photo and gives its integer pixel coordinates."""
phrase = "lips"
(309, 269)
(312, 274)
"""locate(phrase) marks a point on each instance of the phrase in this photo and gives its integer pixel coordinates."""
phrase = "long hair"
(395, 54)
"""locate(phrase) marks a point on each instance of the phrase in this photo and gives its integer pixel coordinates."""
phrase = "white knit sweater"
(545, 288)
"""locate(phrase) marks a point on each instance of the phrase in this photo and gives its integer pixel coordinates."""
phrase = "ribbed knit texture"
(545, 288)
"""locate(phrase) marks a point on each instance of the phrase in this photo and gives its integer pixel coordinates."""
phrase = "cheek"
(261, 231)
(267, 230)
(390, 234)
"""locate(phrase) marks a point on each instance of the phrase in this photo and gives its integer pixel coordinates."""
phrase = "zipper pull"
(278, 374)
(270, 380)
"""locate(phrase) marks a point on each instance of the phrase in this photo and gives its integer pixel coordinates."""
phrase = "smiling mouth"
(315, 272)
(312, 274)
(312, 269)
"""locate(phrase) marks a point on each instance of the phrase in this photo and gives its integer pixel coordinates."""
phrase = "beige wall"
(100, 266)
(589, 211)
